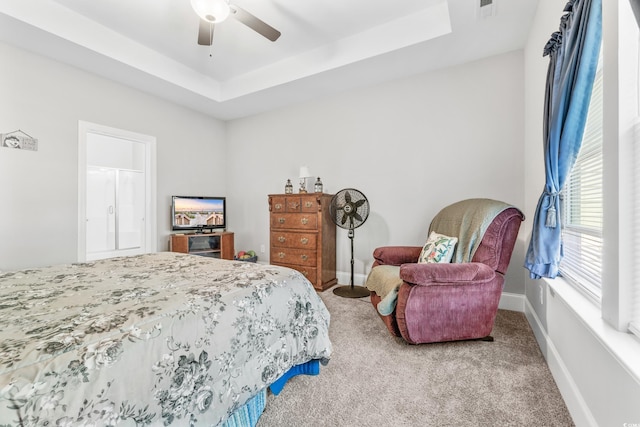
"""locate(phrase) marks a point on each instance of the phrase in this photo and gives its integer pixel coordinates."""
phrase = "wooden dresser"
(303, 236)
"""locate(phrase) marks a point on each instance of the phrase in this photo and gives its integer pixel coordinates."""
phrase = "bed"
(154, 339)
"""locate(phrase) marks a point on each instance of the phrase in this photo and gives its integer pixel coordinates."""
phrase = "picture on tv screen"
(193, 213)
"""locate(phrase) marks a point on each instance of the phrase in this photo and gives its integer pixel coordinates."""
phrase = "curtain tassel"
(551, 217)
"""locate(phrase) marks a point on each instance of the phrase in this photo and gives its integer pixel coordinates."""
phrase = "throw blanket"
(468, 220)
(385, 281)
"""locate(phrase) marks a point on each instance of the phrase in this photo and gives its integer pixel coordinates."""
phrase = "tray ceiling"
(327, 46)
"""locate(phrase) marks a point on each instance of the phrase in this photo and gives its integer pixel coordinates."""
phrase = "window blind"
(634, 325)
(583, 205)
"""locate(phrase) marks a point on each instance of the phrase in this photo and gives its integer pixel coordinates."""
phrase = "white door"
(131, 215)
(116, 193)
(101, 215)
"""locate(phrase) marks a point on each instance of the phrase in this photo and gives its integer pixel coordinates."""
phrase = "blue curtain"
(573, 58)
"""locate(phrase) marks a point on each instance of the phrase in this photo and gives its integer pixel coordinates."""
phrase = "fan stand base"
(348, 291)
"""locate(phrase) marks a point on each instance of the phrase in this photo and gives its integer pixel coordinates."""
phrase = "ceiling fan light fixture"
(214, 11)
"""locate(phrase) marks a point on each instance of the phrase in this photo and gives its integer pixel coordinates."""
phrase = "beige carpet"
(375, 379)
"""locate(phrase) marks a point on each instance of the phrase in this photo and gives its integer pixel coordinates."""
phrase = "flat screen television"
(198, 213)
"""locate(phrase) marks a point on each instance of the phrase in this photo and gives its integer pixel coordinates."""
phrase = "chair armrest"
(396, 255)
(428, 274)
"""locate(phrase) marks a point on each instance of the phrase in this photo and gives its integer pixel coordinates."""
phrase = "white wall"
(582, 351)
(38, 190)
(411, 146)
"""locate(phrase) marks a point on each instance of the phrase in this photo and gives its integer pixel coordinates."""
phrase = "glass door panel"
(131, 205)
(101, 209)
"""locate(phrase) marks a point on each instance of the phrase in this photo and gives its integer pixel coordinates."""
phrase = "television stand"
(215, 245)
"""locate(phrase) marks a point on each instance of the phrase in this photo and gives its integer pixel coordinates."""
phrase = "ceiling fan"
(212, 12)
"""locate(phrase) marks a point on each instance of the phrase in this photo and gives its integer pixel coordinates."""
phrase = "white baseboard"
(570, 392)
(513, 302)
(344, 278)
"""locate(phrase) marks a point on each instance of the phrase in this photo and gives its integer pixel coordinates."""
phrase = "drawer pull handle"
(281, 239)
(308, 204)
(281, 220)
(281, 255)
(304, 221)
(304, 240)
(294, 205)
(304, 257)
(305, 273)
(278, 206)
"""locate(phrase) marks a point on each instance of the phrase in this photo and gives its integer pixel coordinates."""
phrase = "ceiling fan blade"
(254, 23)
(205, 33)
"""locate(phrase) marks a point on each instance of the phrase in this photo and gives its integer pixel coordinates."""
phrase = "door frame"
(150, 232)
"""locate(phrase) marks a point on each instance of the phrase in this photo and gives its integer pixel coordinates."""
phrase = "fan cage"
(349, 208)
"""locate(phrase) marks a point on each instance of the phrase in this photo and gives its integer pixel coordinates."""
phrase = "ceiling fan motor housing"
(213, 11)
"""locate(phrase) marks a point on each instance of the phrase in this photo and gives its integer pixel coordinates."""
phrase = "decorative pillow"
(439, 248)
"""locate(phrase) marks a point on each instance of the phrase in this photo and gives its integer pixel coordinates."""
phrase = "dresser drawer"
(309, 204)
(282, 239)
(278, 204)
(293, 204)
(293, 256)
(311, 273)
(295, 221)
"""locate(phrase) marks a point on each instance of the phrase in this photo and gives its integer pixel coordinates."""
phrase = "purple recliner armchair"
(458, 300)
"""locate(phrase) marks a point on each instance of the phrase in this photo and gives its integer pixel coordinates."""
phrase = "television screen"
(198, 213)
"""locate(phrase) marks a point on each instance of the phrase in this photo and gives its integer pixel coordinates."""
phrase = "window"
(583, 204)
(634, 323)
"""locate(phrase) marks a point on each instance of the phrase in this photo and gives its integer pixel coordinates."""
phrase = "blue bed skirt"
(248, 414)
(312, 367)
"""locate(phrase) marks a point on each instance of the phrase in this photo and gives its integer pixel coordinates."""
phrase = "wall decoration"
(20, 140)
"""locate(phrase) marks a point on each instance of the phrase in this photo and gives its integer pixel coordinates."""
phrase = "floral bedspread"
(155, 339)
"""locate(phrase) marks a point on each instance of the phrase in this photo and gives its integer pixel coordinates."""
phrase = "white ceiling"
(326, 46)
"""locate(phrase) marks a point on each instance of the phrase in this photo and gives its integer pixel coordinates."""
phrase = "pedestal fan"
(349, 209)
